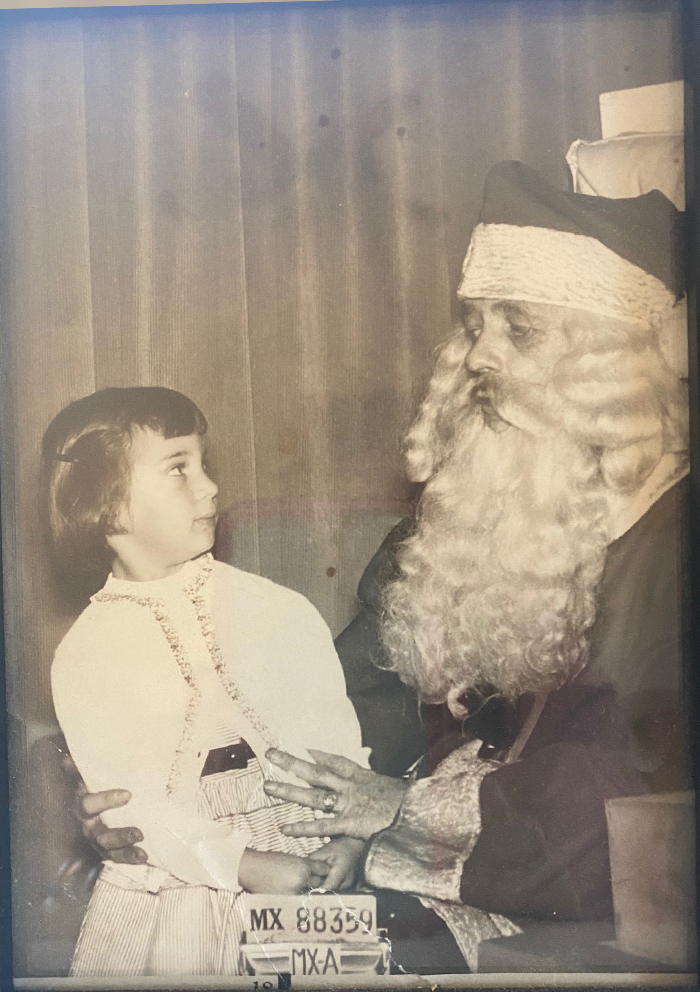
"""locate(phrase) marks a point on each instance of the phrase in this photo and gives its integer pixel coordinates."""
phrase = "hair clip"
(65, 458)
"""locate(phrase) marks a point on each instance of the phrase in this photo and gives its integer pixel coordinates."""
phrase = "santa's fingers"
(129, 856)
(307, 772)
(91, 804)
(117, 838)
(343, 767)
(328, 826)
(322, 799)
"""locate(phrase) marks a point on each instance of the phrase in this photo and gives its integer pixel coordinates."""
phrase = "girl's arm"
(120, 701)
(320, 715)
(281, 653)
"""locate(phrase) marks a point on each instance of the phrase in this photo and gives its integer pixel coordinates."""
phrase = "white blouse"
(150, 668)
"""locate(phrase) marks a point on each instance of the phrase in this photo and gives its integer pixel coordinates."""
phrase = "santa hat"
(618, 258)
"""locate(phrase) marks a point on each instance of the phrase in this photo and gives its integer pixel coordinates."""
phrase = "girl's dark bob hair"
(86, 467)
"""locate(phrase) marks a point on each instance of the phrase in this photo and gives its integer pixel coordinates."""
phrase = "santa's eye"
(471, 320)
(521, 333)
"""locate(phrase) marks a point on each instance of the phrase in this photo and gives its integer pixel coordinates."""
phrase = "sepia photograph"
(345, 451)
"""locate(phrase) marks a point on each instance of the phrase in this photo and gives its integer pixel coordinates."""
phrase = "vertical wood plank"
(47, 361)
(117, 71)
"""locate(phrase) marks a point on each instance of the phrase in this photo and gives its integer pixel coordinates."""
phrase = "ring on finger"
(330, 801)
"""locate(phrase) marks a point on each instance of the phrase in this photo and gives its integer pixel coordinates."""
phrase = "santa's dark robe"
(616, 730)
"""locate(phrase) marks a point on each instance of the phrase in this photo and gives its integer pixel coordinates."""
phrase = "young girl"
(173, 683)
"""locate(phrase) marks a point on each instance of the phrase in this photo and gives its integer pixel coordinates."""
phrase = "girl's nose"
(207, 487)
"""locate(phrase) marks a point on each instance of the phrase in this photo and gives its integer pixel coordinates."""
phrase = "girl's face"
(171, 515)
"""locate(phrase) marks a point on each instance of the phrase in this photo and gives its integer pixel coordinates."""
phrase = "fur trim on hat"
(540, 265)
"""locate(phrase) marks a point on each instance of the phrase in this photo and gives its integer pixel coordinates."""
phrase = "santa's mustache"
(487, 393)
(492, 391)
(485, 387)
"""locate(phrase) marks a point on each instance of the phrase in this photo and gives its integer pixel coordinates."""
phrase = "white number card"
(313, 935)
(327, 917)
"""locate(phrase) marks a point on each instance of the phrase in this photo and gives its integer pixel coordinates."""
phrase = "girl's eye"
(178, 469)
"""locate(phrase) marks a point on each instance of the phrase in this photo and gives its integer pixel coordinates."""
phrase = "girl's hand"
(281, 874)
(343, 855)
(362, 802)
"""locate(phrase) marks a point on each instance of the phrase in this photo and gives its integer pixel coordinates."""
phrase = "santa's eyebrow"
(509, 308)
(467, 309)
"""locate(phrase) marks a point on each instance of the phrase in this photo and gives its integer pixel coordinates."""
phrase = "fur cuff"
(539, 265)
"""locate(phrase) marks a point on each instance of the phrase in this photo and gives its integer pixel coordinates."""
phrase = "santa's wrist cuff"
(393, 862)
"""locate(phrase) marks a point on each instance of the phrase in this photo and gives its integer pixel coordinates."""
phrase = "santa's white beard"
(497, 585)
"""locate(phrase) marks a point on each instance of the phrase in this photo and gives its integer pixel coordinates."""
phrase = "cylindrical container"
(652, 863)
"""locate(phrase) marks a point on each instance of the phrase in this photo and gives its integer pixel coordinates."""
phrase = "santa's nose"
(484, 356)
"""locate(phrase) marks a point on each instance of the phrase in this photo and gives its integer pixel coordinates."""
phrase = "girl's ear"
(110, 542)
(118, 544)
(121, 527)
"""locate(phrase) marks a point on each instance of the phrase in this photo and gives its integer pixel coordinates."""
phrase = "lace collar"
(190, 576)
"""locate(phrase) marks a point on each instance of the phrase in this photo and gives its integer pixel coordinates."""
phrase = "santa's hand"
(115, 844)
(361, 801)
